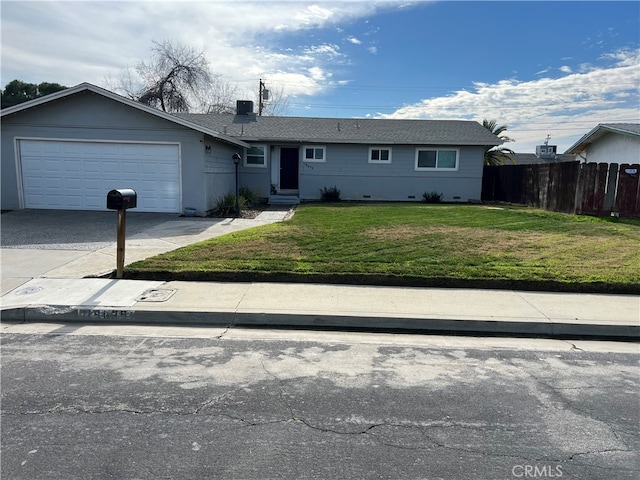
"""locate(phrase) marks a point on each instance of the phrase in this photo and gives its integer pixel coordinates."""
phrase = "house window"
(379, 155)
(445, 159)
(256, 156)
(314, 153)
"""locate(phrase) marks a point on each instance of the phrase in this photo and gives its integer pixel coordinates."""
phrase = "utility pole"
(263, 96)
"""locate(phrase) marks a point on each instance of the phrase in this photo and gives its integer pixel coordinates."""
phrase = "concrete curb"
(549, 329)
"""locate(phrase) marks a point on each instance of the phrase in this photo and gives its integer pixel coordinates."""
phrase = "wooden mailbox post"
(121, 200)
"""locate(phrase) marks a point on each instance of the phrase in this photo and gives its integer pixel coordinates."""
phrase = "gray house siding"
(219, 177)
(257, 179)
(347, 167)
(88, 116)
(219, 173)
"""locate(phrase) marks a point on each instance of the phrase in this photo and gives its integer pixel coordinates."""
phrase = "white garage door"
(68, 175)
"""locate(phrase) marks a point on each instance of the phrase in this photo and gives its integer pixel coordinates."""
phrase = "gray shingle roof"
(345, 130)
(87, 87)
(630, 128)
(532, 158)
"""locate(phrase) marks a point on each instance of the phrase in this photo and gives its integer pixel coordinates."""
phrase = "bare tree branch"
(278, 102)
(173, 74)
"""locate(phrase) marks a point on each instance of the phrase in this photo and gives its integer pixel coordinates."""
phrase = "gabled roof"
(631, 129)
(240, 129)
(88, 87)
(346, 130)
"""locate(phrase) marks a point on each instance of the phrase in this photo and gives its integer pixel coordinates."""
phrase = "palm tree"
(497, 155)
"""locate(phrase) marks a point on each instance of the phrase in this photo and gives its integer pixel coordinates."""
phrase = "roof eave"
(596, 133)
(366, 141)
(119, 98)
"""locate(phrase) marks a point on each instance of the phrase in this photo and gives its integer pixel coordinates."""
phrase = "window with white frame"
(315, 153)
(379, 154)
(256, 156)
(436, 159)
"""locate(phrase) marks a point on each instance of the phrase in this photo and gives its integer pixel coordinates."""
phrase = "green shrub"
(226, 205)
(251, 198)
(330, 194)
(432, 197)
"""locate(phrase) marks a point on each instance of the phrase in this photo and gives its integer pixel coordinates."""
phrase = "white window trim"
(436, 169)
(314, 160)
(371, 149)
(246, 163)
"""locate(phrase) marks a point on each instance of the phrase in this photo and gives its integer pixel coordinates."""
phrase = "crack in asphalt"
(573, 346)
(568, 405)
(226, 330)
(213, 400)
(597, 452)
(303, 420)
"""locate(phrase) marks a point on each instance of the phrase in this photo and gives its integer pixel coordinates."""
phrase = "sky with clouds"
(542, 68)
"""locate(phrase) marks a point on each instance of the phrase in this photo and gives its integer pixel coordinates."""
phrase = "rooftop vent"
(546, 150)
(244, 107)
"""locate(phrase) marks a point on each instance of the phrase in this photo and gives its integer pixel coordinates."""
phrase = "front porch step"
(284, 200)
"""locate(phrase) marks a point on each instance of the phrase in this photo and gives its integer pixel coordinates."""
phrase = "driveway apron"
(78, 244)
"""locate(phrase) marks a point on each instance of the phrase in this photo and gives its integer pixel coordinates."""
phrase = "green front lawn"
(419, 244)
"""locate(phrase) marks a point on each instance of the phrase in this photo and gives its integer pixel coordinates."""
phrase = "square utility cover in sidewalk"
(76, 292)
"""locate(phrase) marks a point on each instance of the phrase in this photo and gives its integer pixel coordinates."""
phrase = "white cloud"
(565, 69)
(372, 50)
(354, 40)
(74, 42)
(325, 49)
(565, 107)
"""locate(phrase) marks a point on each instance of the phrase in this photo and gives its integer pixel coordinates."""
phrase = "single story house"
(68, 149)
(609, 143)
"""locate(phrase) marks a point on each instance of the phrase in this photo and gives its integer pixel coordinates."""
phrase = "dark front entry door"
(289, 168)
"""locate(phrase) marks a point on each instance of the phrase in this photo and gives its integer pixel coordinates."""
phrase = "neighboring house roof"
(84, 87)
(532, 158)
(631, 129)
(346, 130)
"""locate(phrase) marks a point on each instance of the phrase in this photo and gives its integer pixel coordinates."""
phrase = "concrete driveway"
(77, 244)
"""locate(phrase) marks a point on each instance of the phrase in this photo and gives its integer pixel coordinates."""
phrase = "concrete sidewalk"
(436, 310)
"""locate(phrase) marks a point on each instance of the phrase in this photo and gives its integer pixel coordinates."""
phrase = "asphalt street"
(94, 402)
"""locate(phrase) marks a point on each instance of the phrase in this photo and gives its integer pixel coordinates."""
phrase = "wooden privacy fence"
(567, 187)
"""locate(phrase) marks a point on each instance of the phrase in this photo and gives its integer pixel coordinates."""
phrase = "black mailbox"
(122, 199)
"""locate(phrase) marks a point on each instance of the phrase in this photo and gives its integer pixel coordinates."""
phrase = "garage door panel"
(111, 167)
(130, 168)
(54, 200)
(74, 184)
(38, 201)
(78, 175)
(53, 165)
(54, 184)
(95, 203)
(92, 184)
(74, 201)
(91, 166)
(32, 182)
(71, 165)
(167, 170)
